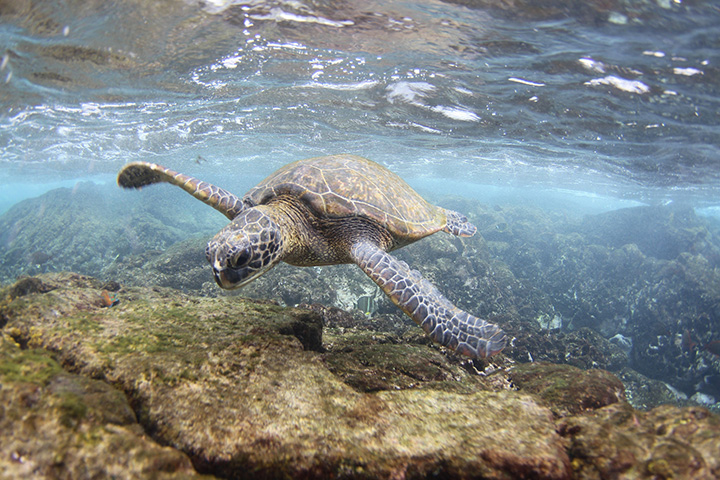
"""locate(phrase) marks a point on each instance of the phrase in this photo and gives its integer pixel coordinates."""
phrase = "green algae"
(69, 426)
(163, 335)
(667, 442)
(566, 389)
(369, 367)
(146, 329)
(72, 409)
(28, 366)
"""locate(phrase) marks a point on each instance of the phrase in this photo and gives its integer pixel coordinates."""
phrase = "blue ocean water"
(602, 100)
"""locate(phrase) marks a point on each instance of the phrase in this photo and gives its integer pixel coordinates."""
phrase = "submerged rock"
(647, 276)
(59, 425)
(234, 384)
(644, 393)
(661, 232)
(560, 286)
(370, 361)
(88, 228)
(568, 390)
(248, 389)
(666, 442)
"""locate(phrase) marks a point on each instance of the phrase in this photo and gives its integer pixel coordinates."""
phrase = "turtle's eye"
(241, 259)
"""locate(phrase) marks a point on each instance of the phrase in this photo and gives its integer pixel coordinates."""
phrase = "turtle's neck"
(303, 241)
(309, 240)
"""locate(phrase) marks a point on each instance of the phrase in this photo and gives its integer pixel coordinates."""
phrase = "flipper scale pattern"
(422, 301)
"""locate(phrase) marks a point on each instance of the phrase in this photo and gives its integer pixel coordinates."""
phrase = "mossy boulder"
(370, 361)
(667, 442)
(566, 389)
(236, 385)
(249, 389)
(58, 425)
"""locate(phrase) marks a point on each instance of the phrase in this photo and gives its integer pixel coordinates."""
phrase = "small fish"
(109, 299)
(39, 257)
(688, 344)
(367, 304)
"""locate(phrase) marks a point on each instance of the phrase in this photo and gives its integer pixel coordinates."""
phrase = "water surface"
(601, 98)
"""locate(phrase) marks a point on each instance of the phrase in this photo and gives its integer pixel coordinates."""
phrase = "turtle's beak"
(221, 279)
(244, 250)
(225, 276)
(228, 278)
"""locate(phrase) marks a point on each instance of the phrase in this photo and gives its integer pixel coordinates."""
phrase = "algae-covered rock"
(583, 348)
(232, 383)
(644, 393)
(649, 274)
(567, 390)
(371, 361)
(666, 442)
(182, 266)
(59, 425)
(247, 389)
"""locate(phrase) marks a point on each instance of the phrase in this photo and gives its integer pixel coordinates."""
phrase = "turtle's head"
(245, 249)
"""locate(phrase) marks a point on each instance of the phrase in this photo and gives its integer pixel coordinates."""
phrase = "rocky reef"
(89, 228)
(311, 373)
(646, 278)
(633, 291)
(57, 424)
(173, 385)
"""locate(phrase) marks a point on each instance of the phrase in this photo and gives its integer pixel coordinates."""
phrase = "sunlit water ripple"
(620, 102)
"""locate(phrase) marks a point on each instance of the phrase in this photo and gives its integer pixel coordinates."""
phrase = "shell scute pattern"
(347, 185)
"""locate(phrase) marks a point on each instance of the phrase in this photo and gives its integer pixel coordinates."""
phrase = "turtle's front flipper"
(139, 174)
(421, 301)
(458, 224)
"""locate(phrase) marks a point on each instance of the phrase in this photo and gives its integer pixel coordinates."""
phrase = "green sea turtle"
(332, 210)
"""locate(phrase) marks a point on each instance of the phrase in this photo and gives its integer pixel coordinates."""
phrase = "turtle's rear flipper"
(140, 174)
(421, 301)
(458, 224)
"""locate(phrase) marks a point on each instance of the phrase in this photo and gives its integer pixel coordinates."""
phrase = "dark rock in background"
(661, 232)
(88, 228)
(644, 393)
(601, 273)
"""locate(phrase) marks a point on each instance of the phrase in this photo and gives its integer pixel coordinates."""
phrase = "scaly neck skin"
(298, 228)
(309, 240)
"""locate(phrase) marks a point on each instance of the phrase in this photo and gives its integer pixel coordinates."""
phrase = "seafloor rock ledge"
(169, 385)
